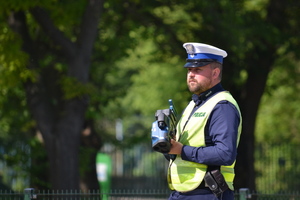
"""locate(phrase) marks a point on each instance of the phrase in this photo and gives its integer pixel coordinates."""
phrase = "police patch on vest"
(199, 114)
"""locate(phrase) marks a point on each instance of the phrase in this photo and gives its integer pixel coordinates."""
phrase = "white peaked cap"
(200, 54)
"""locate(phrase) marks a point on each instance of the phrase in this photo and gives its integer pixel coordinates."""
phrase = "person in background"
(208, 131)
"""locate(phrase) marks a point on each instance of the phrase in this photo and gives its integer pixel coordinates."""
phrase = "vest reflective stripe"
(228, 173)
(184, 175)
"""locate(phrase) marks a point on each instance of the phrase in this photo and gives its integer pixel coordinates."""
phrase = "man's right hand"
(176, 147)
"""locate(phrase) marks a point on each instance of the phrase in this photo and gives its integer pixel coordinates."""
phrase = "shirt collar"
(207, 94)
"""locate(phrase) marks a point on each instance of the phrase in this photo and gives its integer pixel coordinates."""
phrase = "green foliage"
(280, 105)
(17, 5)
(154, 83)
(139, 85)
(277, 130)
(72, 88)
(13, 61)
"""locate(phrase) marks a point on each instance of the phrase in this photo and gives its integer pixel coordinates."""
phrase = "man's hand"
(176, 147)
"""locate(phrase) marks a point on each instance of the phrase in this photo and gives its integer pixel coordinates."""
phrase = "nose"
(190, 73)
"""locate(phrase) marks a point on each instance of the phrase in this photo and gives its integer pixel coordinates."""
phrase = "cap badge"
(190, 49)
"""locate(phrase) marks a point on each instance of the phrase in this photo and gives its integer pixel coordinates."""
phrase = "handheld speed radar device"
(164, 128)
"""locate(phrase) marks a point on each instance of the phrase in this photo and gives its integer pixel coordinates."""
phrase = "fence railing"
(32, 194)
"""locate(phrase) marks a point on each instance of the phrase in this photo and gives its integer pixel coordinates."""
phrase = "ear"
(216, 73)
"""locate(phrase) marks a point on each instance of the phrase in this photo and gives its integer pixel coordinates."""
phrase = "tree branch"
(43, 19)
(89, 25)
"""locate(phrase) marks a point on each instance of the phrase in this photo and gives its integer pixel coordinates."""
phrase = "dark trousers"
(201, 194)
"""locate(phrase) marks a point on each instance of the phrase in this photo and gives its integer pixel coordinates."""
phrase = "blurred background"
(84, 78)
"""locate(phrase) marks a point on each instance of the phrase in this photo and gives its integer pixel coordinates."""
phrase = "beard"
(196, 87)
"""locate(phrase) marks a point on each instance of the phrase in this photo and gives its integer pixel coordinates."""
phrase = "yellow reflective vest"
(184, 176)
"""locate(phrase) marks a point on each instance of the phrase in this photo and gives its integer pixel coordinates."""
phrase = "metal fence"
(31, 194)
(277, 168)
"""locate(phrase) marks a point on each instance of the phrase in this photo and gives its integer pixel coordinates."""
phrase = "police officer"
(207, 133)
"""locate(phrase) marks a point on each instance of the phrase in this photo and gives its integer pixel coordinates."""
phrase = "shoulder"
(225, 112)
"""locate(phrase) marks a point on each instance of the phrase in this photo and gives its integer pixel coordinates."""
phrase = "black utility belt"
(215, 180)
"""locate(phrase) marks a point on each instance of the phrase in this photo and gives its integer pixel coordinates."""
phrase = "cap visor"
(196, 64)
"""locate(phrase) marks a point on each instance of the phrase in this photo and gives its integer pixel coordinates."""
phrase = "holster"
(215, 181)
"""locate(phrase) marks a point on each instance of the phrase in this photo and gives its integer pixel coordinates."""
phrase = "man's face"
(200, 79)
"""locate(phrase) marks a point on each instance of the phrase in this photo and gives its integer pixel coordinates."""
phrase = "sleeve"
(222, 127)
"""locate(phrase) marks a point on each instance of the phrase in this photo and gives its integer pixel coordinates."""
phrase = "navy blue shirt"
(222, 128)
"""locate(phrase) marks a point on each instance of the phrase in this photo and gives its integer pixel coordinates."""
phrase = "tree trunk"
(60, 125)
(254, 89)
(63, 149)
(259, 68)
